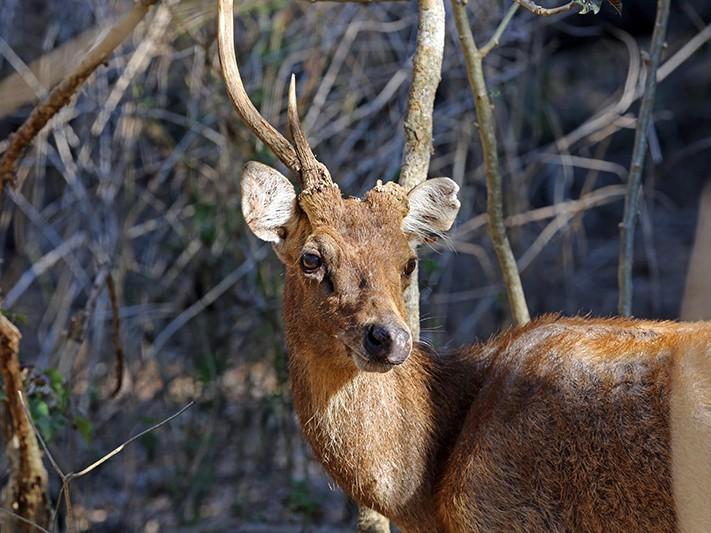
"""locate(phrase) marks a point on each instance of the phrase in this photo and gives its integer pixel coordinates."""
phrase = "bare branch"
(487, 133)
(494, 41)
(29, 419)
(115, 334)
(629, 219)
(426, 74)
(543, 11)
(67, 478)
(120, 447)
(60, 95)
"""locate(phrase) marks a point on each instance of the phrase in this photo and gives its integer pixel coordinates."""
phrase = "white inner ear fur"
(433, 208)
(268, 200)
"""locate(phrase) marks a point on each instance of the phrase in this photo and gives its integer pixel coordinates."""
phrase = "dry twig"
(543, 11)
(67, 478)
(115, 334)
(629, 219)
(487, 133)
(62, 94)
(426, 74)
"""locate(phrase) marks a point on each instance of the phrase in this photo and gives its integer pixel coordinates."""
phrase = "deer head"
(347, 260)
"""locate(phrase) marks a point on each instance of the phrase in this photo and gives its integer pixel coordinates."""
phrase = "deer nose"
(386, 343)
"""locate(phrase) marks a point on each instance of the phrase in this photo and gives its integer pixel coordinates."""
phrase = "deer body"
(565, 424)
(537, 430)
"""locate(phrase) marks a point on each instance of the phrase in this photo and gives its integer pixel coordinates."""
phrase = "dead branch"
(67, 478)
(487, 133)
(629, 219)
(25, 493)
(545, 12)
(62, 93)
(494, 41)
(116, 334)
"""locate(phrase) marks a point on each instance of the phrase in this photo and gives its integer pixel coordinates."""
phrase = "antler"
(298, 157)
(278, 144)
(313, 173)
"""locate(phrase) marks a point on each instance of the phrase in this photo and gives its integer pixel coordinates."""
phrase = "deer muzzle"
(387, 343)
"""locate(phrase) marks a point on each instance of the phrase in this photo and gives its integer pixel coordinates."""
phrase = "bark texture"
(25, 493)
(486, 121)
(426, 75)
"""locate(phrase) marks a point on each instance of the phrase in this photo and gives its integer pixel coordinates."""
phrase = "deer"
(563, 424)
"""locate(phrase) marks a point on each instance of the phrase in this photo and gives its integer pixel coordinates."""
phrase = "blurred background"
(138, 179)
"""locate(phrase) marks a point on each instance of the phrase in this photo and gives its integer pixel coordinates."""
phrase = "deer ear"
(268, 201)
(433, 208)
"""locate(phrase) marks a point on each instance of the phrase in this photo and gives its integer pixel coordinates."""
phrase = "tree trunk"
(25, 493)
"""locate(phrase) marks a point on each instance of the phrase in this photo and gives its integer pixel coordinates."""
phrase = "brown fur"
(560, 425)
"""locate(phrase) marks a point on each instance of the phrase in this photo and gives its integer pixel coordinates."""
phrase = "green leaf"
(588, 6)
(40, 414)
(85, 427)
(429, 265)
(58, 387)
(39, 409)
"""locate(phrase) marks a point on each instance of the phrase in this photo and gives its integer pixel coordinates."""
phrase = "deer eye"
(410, 267)
(310, 262)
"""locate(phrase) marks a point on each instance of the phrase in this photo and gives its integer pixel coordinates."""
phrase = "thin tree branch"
(629, 219)
(67, 478)
(116, 334)
(543, 11)
(69, 518)
(494, 41)
(487, 133)
(28, 416)
(120, 447)
(62, 93)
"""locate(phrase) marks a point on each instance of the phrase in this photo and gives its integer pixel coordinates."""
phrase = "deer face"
(349, 260)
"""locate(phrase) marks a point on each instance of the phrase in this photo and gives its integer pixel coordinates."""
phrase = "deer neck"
(382, 437)
(372, 432)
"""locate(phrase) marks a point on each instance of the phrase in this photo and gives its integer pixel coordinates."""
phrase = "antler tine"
(313, 172)
(281, 147)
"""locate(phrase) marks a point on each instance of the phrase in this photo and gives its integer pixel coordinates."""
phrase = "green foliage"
(210, 366)
(302, 501)
(149, 441)
(205, 222)
(429, 266)
(48, 400)
(19, 319)
(84, 427)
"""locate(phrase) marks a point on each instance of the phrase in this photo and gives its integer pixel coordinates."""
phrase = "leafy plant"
(49, 405)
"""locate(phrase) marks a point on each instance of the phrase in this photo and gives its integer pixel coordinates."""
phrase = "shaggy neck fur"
(382, 437)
